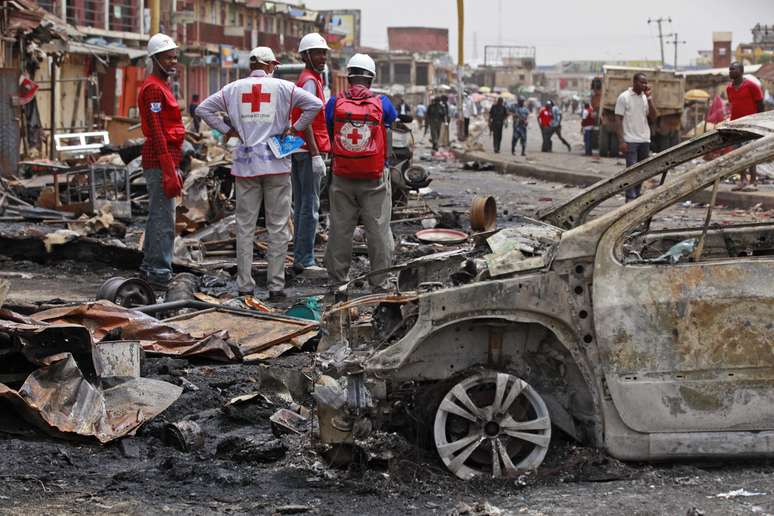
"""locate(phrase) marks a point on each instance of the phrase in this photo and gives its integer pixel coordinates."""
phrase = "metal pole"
(659, 21)
(675, 51)
(460, 65)
(52, 107)
(155, 8)
(661, 41)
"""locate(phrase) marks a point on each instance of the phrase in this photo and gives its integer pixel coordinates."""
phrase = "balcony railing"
(114, 15)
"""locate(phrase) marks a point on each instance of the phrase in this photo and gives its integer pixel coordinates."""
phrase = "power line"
(659, 21)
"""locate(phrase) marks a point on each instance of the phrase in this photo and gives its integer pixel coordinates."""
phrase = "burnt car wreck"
(651, 343)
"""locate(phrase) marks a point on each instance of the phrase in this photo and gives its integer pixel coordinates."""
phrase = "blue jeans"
(519, 134)
(159, 241)
(636, 152)
(587, 141)
(306, 208)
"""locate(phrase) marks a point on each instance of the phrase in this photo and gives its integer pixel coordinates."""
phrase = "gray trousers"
(352, 200)
(274, 192)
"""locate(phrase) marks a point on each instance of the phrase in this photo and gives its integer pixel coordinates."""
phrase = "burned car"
(650, 343)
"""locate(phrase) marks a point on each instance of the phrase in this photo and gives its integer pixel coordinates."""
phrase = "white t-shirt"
(634, 110)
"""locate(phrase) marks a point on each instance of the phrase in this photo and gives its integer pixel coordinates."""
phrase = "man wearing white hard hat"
(164, 132)
(360, 187)
(308, 171)
(259, 108)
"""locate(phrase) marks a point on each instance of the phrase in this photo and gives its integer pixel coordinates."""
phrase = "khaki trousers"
(274, 192)
(351, 200)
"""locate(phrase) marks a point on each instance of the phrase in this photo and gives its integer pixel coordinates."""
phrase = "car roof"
(571, 213)
(760, 123)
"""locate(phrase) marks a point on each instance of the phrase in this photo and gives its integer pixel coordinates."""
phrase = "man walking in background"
(192, 112)
(468, 111)
(497, 116)
(308, 165)
(520, 119)
(634, 110)
(436, 117)
(556, 125)
(544, 120)
(259, 108)
(745, 98)
(587, 124)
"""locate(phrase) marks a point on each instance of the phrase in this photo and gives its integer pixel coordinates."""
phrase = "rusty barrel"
(483, 213)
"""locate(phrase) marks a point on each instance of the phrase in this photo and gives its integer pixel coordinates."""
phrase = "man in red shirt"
(545, 116)
(164, 132)
(745, 98)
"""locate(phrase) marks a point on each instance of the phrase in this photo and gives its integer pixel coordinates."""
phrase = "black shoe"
(157, 285)
(277, 295)
(523, 153)
(569, 149)
(298, 268)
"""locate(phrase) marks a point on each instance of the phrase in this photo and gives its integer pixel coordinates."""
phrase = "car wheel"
(491, 424)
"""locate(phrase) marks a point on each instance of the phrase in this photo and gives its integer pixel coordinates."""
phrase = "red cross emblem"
(354, 136)
(255, 98)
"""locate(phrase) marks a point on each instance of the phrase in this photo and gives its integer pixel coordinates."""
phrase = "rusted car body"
(648, 357)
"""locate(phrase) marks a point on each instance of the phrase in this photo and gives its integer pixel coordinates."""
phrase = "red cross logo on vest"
(255, 98)
(355, 139)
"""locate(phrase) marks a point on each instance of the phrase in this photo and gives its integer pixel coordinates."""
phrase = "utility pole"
(676, 43)
(659, 21)
(460, 65)
(155, 13)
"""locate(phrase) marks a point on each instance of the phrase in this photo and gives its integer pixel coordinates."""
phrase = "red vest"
(171, 121)
(319, 128)
(359, 138)
(545, 116)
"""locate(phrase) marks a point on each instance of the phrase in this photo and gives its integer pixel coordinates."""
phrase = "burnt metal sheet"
(9, 125)
(26, 344)
(250, 333)
(61, 402)
(165, 338)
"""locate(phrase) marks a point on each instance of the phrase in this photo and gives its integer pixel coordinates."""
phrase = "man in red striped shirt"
(164, 132)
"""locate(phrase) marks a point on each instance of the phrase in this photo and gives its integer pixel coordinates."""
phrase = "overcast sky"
(567, 29)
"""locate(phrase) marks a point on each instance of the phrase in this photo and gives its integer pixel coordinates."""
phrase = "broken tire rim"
(492, 424)
(128, 293)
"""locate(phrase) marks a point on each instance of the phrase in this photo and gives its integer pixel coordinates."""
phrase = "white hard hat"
(311, 41)
(263, 55)
(364, 62)
(160, 43)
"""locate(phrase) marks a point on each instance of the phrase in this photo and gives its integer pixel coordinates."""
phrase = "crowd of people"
(257, 111)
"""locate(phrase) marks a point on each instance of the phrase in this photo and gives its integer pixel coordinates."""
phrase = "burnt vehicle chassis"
(648, 358)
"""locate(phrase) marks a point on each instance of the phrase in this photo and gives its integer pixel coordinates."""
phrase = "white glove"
(318, 165)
